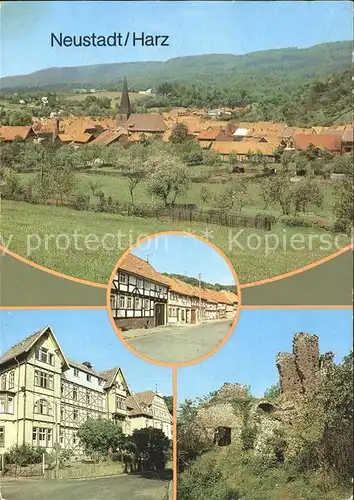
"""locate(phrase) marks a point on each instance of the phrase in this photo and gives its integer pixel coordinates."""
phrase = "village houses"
(141, 297)
(207, 127)
(45, 397)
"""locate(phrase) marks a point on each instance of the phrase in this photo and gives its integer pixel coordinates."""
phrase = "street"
(178, 344)
(109, 488)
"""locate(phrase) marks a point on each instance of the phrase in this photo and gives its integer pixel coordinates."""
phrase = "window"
(88, 377)
(100, 381)
(137, 303)
(140, 283)
(88, 397)
(43, 379)
(122, 301)
(129, 302)
(3, 382)
(42, 436)
(76, 372)
(113, 301)
(6, 404)
(120, 403)
(11, 380)
(146, 303)
(42, 354)
(2, 437)
(61, 436)
(122, 278)
(74, 393)
(74, 438)
(43, 407)
(75, 414)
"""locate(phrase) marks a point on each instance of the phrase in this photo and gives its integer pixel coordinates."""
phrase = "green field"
(117, 188)
(115, 96)
(37, 224)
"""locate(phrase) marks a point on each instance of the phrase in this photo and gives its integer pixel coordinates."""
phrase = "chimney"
(87, 364)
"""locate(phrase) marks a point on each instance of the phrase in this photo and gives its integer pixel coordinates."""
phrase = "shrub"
(295, 221)
(248, 436)
(24, 454)
(81, 202)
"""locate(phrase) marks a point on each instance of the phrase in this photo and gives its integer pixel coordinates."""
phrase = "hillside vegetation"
(204, 284)
(257, 68)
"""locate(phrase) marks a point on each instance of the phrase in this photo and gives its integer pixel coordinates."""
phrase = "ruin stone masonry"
(300, 370)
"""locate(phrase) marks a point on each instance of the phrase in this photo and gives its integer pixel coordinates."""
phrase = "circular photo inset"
(173, 298)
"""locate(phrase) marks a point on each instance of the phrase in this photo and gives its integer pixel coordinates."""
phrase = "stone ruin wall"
(300, 370)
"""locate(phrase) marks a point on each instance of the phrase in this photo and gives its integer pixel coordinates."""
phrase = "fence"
(177, 214)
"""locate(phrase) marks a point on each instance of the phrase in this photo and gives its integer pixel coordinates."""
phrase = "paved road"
(179, 344)
(109, 488)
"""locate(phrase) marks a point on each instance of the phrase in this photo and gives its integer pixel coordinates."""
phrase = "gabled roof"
(110, 376)
(10, 133)
(26, 345)
(208, 135)
(145, 122)
(134, 408)
(145, 397)
(109, 136)
(84, 368)
(331, 142)
(244, 147)
(135, 265)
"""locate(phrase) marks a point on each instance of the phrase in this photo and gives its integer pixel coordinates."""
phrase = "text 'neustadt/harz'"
(130, 38)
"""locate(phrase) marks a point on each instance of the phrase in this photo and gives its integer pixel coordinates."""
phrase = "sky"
(186, 255)
(248, 357)
(86, 336)
(193, 28)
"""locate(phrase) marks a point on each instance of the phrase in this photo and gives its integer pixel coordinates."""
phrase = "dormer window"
(76, 372)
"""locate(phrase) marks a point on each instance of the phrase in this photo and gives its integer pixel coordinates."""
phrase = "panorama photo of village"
(270, 417)
(80, 417)
(244, 143)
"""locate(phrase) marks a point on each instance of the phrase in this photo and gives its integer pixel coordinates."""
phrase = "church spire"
(125, 108)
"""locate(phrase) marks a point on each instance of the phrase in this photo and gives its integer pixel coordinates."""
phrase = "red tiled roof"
(135, 265)
(145, 122)
(9, 133)
(331, 142)
(208, 135)
(109, 136)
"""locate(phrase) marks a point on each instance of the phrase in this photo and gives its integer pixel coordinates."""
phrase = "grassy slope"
(21, 219)
(254, 483)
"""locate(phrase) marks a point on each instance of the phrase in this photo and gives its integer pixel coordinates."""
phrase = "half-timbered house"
(45, 398)
(139, 295)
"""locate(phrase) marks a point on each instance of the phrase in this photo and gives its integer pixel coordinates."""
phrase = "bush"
(81, 202)
(248, 436)
(24, 454)
(295, 221)
(204, 480)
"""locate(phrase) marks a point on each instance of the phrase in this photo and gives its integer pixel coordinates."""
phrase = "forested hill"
(204, 284)
(268, 67)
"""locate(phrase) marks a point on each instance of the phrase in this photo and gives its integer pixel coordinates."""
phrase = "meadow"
(110, 234)
(117, 187)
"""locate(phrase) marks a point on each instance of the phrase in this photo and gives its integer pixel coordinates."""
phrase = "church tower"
(125, 109)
